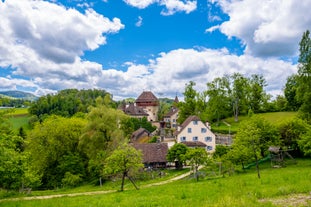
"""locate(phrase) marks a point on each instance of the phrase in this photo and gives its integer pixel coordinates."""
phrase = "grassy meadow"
(241, 189)
(18, 117)
(274, 117)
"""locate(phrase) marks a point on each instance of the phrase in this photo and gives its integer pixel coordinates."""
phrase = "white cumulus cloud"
(266, 28)
(44, 40)
(171, 6)
(169, 72)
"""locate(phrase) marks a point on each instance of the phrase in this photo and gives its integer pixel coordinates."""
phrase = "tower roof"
(146, 96)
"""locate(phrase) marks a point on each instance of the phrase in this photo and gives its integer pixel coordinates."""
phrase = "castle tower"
(150, 103)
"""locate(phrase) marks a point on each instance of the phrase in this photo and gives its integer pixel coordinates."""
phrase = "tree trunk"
(122, 183)
(196, 173)
(132, 181)
(257, 166)
(236, 110)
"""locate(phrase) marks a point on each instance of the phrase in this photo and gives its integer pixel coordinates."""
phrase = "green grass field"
(273, 117)
(241, 189)
(18, 117)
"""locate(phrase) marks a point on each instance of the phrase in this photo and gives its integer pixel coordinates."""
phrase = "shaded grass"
(242, 189)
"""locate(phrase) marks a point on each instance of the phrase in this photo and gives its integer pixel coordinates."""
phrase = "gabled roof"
(134, 110)
(146, 96)
(171, 112)
(138, 133)
(153, 152)
(188, 120)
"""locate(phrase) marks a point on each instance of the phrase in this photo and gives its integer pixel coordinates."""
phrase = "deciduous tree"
(253, 138)
(177, 154)
(124, 161)
(304, 76)
(49, 144)
(196, 157)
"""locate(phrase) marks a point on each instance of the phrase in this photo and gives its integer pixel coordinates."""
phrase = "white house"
(194, 133)
(171, 117)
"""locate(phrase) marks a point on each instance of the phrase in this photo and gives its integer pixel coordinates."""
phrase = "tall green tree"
(240, 84)
(290, 93)
(103, 133)
(124, 161)
(50, 142)
(188, 106)
(219, 103)
(257, 97)
(304, 76)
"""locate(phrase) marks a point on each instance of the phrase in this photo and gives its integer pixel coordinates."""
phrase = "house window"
(189, 130)
(209, 148)
(195, 139)
(182, 139)
(195, 122)
(208, 139)
(174, 120)
(203, 130)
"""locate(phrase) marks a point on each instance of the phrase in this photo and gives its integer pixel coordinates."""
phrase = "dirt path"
(96, 192)
(291, 200)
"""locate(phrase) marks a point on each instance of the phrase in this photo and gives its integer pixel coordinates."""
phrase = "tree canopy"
(304, 76)
(66, 102)
(124, 161)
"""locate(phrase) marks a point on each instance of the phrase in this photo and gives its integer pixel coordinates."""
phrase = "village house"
(170, 119)
(194, 133)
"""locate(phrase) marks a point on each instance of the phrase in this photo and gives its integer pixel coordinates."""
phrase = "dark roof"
(176, 99)
(134, 110)
(194, 144)
(138, 133)
(171, 112)
(146, 96)
(153, 152)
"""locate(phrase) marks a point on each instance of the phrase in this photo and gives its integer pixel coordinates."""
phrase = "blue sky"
(127, 46)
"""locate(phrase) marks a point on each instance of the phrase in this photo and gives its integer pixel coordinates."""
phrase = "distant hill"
(18, 95)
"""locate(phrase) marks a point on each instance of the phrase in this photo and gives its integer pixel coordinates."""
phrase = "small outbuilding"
(154, 154)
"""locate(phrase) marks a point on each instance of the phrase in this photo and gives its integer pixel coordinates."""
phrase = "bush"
(71, 180)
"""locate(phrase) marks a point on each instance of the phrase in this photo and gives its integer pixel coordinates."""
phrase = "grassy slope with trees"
(242, 189)
(75, 134)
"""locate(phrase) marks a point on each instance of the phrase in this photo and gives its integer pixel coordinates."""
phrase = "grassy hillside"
(18, 117)
(18, 95)
(229, 124)
(277, 187)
